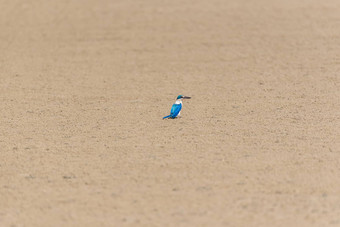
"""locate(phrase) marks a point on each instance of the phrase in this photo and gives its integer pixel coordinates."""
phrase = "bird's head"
(183, 97)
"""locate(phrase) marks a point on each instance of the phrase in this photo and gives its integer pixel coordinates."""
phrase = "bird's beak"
(186, 97)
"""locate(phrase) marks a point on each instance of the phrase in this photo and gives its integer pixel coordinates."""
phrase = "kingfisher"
(176, 107)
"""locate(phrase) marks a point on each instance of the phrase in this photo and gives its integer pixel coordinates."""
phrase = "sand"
(84, 86)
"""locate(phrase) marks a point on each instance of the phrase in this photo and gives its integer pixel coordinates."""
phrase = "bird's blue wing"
(175, 109)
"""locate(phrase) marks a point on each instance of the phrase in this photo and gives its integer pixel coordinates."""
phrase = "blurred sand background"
(84, 86)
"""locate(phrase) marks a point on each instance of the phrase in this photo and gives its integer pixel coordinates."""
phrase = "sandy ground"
(84, 86)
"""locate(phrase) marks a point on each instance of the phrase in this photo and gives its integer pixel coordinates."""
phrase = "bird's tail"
(167, 116)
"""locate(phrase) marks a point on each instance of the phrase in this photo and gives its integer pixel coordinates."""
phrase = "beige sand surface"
(84, 86)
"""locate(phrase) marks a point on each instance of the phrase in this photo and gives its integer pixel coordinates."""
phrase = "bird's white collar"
(178, 101)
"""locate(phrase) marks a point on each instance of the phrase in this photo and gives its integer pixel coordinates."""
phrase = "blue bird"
(176, 107)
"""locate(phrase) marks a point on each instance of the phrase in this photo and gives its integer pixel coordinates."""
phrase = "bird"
(176, 107)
